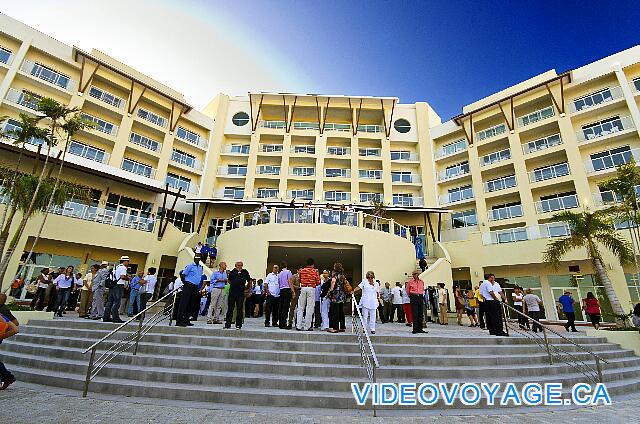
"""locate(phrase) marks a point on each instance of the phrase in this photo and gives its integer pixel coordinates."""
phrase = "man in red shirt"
(309, 279)
(415, 288)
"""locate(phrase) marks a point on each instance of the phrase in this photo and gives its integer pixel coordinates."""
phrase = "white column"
(628, 94)
(16, 62)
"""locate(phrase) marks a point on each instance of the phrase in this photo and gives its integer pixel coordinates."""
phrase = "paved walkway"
(26, 404)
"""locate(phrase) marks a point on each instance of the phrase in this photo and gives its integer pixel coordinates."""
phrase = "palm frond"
(558, 248)
(615, 243)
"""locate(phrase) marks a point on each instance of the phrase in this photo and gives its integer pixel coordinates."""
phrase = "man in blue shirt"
(191, 276)
(216, 289)
(204, 253)
(134, 306)
(567, 308)
(213, 254)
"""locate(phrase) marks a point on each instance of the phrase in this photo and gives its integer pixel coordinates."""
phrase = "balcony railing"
(268, 170)
(603, 129)
(186, 160)
(47, 74)
(132, 218)
(536, 116)
(240, 149)
(369, 128)
(82, 150)
(495, 157)
(542, 144)
(6, 56)
(370, 174)
(337, 196)
(611, 160)
(152, 117)
(453, 172)
(457, 196)
(191, 137)
(305, 150)
(549, 172)
(407, 201)
(502, 183)
(300, 194)
(452, 148)
(232, 171)
(338, 151)
(635, 85)
(557, 204)
(534, 232)
(271, 148)
(145, 142)
(274, 125)
(233, 194)
(28, 100)
(267, 193)
(337, 127)
(596, 99)
(405, 178)
(138, 168)
(371, 197)
(506, 212)
(306, 126)
(106, 97)
(299, 171)
(101, 125)
(491, 132)
(367, 152)
(337, 173)
(404, 156)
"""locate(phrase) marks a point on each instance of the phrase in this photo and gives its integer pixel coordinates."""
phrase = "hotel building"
(476, 191)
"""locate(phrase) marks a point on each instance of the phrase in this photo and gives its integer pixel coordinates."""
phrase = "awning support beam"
(293, 111)
(254, 122)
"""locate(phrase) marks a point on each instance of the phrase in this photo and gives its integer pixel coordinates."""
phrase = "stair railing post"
(505, 317)
(173, 307)
(546, 345)
(599, 369)
(375, 410)
(138, 333)
(88, 376)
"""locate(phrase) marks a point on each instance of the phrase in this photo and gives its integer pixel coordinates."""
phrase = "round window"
(402, 126)
(241, 118)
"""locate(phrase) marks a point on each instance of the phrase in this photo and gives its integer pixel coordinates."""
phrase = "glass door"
(577, 306)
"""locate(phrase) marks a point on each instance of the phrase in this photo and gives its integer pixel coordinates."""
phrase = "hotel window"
(240, 148)
(611, 158)
(636, 83)
(464, 219)
(49, 75)
(5, 55)
(151, 117)
(240, 119)
(401, 176)
(336, 172)
(402, 126)
(557, 202)
(12, 128)
(401, 155)
(105, 96)
(403, 199)
(593, 99)
(633, 283)
(29, 99)
(501, 183)
(302, 194)
(101, 124)
(337, 151)
(456, 146)
(336, 196)
(237, 169)
(505, 211)
(85, 151)
(181, 220)
(183, 158)
(137, 168)
(234, 192)
(178, 181)
(123, 204)
(187, 135)
(602, 128)
(145, 142)
(460, 193)
(267, 193)
(370, 197)
(311, 150)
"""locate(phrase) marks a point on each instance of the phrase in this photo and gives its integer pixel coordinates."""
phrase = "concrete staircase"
(264, 367)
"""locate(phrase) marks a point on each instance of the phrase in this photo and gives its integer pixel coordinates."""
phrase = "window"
(457, 169)
(240, 119)
(371, 174)
(234, 192)
(101, 124)
(267, 193)
(152, 117)
(240, 148)
(593, 99)
(401, 176)
(336, 172)
(271, 148)
(336, 196)
(456, 146)
(5, 55)
(636, 83)
(553, 171)
(337, 151)
(105, 96)
(123, 204)
(301, 194)
(215, 229)
(369, 152)
(401, 155)
(29, 99)
(501, 183)
(181, 220)
(85, 151)
(178, 181)
(12, 128)
(460, 193)
(506, 211)
(303, 171)
(402, 126)
(137, 168)
(556, 202)
(495, 157)
(237, 169)
(611, 158)
(370, 197)
(183, 158)
(145, 142)
(464, 219)
(269, 169)
(305, 149)
(190, 136)
(633, 282)
(543, 143)
(602, 128)
(49, 75)
(403, 199)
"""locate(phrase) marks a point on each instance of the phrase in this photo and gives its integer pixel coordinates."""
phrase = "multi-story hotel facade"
(476, 192)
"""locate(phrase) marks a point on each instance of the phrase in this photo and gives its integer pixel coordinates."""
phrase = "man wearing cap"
(191, 276)
(115, 294)
(567, 308)
(97, 288)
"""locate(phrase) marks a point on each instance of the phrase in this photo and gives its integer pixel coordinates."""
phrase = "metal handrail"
(367, 353)
(554, 350)
(96, 364)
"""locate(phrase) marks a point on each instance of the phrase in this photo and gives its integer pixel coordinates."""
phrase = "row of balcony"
(533, 232)
(314, 126)
(396, 155)
(303, 171)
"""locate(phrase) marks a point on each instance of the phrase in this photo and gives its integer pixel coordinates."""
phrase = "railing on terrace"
(495, 157)
(152, 117)
(47, 74)
(557, 204)
(596, 99)
(306, 149)
(369, 128)
(603, 129)
(270, 148)
(188, 161)
(268, 170)
(542, 144)
(100, 124)
(457, 196)
(506, 212)
(106, 97)
(240, 149)
(306, 126)
(405, 178)
(407, 201)
(371, 151)
(129, 218)
(347, 218)
(82, 150)
(298, 171)
(451, 148)
(491, 132)
(368, 355)
(549, 172)
(338, 151)
(370, 174)
(6, 56)
(502, 183)
(536, 116)
(232, 171)
(611, 160)
(337, 127)
(404, 156)
(274, 125)
(453, 172)
(534, 232)
(28, 100)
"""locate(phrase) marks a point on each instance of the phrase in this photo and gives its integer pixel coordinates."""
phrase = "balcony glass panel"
(505, 212)
(542, 144)
(87, 152)
(500, 183)
(611, 158)
(495, 157)
(106, 97)
(491, 132)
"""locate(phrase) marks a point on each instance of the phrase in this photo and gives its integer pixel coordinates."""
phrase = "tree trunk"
(4, 234)
(608, 287)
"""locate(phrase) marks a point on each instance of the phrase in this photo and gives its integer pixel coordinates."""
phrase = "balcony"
(501, 183)
(267, 193)
(403, 156)
(145, 142)
(232, 171)
(337, 173)
(370, 174)
(594, 100)
(338, 151)
(611, 159)
(187, 187)
(300, 194)
(491, 132)
(332, 127)
(302, 171)
(371, 197)
(270, 148)
(452, 148)
(138, 168)
(506, 212)
(238, 149)
(48, 75)
(306, 126)
(152, 117)
(101, 125)
(235, 193)
(186, 160)
(557, 204)
(404, 178)
(191, 137)
(605, 128)
(407, 201)
(369, 128)
(304, 149)
(88, 152)
(132, 218)
(24, 98)
(106, 97)
(268, 170)
(454, 172)
(537, 116)
(549, 172)
(6, 56)
(495, 157)
(635, 85)
(274, 125)
(542, 144)
(370, 152)
(337, 196)
(457, 196)
(534, 232)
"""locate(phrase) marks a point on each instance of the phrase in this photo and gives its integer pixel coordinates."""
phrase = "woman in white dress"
(369, 300)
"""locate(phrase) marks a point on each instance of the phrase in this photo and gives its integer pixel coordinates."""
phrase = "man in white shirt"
(396, 298)
(491, 292)
(85, 292)
(272, 291)
(531, 305)
(147, 288)
(120, 274)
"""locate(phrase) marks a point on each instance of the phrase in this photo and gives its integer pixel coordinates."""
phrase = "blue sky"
(448, 53)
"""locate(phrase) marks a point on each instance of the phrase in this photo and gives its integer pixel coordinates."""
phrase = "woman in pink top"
(592, 308)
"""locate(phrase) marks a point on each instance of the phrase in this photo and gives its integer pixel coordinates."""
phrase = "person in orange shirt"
(309, 279)
(415, 288)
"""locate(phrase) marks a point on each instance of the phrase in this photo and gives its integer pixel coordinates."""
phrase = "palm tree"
(590, 230)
